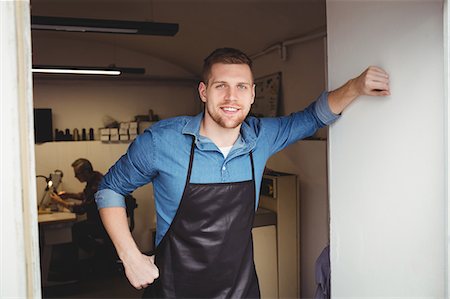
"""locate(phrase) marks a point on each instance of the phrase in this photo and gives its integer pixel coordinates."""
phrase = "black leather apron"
(208, 250)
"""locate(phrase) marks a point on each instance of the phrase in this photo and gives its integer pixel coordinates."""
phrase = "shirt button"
(223, 168)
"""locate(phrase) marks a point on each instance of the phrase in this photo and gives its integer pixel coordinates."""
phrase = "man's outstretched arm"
(140, 269)
(374, 81)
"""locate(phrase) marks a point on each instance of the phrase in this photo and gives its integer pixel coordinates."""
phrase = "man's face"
(229, 94)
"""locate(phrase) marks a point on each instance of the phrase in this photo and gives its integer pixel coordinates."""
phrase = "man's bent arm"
(139, 268)
(374, 81)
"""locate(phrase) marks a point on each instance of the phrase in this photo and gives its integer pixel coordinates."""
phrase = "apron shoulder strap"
(191, 159)
(253, 166)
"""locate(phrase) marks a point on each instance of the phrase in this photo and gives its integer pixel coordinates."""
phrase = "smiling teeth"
(230, 109)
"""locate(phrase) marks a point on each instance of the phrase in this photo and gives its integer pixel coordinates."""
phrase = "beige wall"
(65, 50)
(78, 102)
(303, 74)
(85, 103)
(60, 155)
(303, 79)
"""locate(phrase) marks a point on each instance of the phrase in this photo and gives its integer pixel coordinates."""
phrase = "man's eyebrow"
(215, 82)
(225, 82)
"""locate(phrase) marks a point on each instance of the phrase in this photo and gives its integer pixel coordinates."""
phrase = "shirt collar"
(192, 127)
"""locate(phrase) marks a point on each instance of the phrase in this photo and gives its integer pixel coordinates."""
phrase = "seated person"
(85, 232)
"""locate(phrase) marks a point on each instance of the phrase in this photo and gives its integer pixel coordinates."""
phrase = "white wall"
(387, 154)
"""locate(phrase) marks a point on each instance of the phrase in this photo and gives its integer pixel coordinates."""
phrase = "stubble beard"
(224, 122)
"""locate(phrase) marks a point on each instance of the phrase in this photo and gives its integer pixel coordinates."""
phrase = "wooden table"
(54, 228)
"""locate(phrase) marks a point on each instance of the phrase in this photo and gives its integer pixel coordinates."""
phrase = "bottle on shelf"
(76, 135)
(83, 134)
(91, 134)
(68, 136)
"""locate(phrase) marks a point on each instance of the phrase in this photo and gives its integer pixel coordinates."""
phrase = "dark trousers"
(93, 238)
(88, 235)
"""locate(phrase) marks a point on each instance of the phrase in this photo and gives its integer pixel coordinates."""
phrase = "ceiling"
(249, 25)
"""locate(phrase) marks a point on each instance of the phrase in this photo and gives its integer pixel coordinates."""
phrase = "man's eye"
(242, 87)
(220, 85)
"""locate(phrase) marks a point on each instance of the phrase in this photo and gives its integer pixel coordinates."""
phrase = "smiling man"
(206, 172)
(228, 94)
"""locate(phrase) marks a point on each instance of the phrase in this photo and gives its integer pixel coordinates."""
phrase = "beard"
(224, 121)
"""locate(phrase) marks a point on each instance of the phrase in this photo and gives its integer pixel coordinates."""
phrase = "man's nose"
(231, 94)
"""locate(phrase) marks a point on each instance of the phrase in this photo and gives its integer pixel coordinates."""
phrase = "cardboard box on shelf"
(124, 125)
(104, 137)
(104, 131)
(133, 131)
(123, 131)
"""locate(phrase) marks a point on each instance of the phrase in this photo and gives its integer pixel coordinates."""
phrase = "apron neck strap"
(191, 159)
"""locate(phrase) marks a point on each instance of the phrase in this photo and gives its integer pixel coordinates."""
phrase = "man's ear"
(202, 91)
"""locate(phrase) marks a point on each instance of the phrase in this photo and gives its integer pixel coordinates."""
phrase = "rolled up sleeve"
(323, 111)
(106, 198)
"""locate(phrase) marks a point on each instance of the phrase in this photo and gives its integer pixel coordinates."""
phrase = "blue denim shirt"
(161, 155)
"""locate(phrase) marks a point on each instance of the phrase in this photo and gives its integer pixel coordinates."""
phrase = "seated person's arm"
(67, 195)
(57, 198)
(72, 206)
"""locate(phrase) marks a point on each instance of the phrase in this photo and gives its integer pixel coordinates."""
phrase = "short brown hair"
(83, 165)
(224, 55)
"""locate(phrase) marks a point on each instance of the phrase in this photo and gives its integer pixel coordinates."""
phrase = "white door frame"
(446, 11)
(20, 274)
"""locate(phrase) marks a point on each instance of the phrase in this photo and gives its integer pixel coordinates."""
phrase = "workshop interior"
(103, 72)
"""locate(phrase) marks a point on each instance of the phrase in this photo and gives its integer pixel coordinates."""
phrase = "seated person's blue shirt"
(160, 155)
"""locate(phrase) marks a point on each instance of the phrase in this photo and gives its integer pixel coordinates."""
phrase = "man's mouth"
(230, 109)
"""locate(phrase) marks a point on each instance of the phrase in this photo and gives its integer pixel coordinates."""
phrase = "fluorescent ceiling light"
(102, 26)
(78, 70)
(83, 29)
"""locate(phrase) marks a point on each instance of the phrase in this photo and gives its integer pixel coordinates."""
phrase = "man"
(206, 172)
(84, 232)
